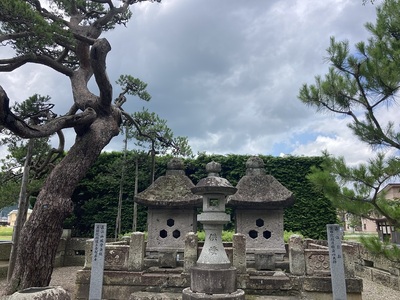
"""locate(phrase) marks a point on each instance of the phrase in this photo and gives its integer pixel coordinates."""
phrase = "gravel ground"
(65, 277)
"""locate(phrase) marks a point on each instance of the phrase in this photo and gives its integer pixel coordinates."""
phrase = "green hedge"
(96, 197)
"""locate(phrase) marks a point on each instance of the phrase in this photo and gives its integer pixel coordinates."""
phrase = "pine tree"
(67, 38)
(362, 85)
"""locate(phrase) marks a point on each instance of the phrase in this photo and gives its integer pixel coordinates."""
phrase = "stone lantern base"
(187, 294)
(210, 283)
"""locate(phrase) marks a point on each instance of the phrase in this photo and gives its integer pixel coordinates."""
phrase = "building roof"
(390, 186)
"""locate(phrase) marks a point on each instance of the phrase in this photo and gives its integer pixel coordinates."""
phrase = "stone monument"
(213, 277)
(259, 202)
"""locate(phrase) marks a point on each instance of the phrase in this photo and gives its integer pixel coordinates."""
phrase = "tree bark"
(41, 234)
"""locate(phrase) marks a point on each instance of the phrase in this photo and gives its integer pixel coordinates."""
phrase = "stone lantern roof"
(171, 190)
(213, 184)
(258, 190)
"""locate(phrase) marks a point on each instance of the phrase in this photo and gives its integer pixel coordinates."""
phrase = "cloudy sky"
(226, 73)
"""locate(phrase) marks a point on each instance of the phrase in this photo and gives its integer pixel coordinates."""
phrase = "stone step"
(178, 296)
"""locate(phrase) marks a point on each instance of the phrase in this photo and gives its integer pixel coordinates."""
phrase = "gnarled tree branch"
(22, 129)
(98, 54)
(8, 65)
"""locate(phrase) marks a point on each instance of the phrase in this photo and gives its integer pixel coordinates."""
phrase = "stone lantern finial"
(213, 168)
(255, 166)
(175, 167)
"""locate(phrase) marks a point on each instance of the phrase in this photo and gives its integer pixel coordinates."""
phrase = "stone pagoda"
(213, 276)
(171, 211)
(259, 202)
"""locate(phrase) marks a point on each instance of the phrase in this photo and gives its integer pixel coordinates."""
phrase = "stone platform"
(256, 284)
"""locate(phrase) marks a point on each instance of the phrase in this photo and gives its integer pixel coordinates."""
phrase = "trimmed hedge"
(96, 197)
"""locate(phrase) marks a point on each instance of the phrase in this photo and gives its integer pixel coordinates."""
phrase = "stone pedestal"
(213, 253)
(264, 260)
(213, 281)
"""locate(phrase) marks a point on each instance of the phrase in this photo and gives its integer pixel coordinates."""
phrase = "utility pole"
(23, 205)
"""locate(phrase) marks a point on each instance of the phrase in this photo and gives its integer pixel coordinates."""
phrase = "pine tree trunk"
(41, 233)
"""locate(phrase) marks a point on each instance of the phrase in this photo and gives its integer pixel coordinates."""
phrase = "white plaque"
(336, 262)
(98, 253)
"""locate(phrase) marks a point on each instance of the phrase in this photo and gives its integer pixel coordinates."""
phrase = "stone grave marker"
(98, 254)
(336, 262)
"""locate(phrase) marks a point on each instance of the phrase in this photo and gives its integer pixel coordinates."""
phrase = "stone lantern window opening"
(170, 222)
(253, 234)
(214, 203)
(260, 222)
(176, 234)
(267, 234)
(163, 233)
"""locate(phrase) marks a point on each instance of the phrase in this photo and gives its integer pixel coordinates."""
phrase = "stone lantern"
(259, 203)
(213, 277)
(171, 211)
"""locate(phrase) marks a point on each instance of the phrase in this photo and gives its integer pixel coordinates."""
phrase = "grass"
(355, 237)
(227, 235)
(6, 233)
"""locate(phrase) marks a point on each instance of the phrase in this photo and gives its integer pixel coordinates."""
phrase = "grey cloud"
(227, 73)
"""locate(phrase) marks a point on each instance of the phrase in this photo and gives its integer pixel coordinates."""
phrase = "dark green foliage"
(311, 210)
(34, 110)
(233, 166)
(96, 198)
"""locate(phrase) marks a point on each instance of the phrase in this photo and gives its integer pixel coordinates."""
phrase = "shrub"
(288, 234)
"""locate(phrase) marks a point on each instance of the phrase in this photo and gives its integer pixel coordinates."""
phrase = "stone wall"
(311, 258)
(5, 249)
(376, 268)
(70, 252)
